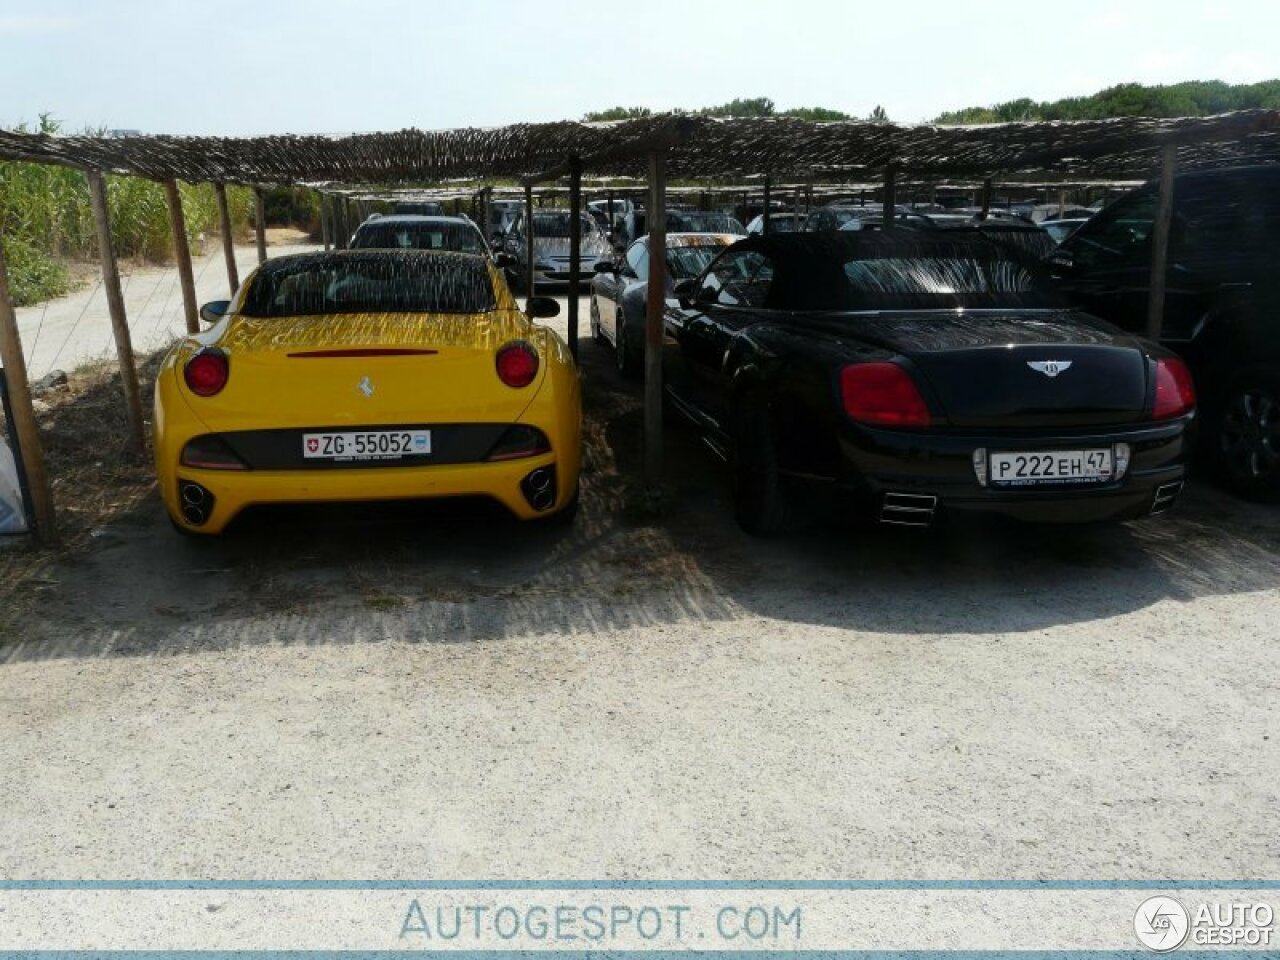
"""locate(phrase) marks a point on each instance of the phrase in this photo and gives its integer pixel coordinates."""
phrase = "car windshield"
(689, 260)
(389, 283)
(556, 224)
(460, 238)
(697, 222)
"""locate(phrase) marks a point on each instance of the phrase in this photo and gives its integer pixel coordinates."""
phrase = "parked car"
(501, 215)
(834, 216)
(1222, 303)
(703, 221)
(367, 375)
(421, 208)
(919, 373)
(778, 223)
(419, 233)
(620, 291)
(551, 261)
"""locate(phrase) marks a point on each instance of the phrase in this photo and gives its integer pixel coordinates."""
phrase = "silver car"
(551, 262)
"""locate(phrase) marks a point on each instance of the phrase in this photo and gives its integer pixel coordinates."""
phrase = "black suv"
(1222, 302)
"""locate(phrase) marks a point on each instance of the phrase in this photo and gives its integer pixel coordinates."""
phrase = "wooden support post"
(609, 209)
(890, 198)
(325, 231)
(768, 190)
(115, 304)
(528, 243)
(986, 198)
(1160, 242)
(30, 451)
(182, 254)
(655, 307)
(260, 223)
(575, 250)
(228, 239)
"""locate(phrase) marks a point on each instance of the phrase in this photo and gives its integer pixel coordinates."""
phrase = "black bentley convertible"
(919, 373)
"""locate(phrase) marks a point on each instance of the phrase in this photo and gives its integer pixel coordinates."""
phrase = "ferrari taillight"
(1175, 392)
(517, 364)
(206, 373)
(882, 394)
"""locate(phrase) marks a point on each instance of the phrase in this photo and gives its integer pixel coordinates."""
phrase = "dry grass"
(96, 478)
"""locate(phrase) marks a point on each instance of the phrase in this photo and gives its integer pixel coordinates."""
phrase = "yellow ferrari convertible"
(368, 375)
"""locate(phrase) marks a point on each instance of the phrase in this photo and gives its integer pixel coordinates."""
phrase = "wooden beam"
(1160, 242)
(182, 254)
(260, 223)
(575, 250)
(228, 240)
(115, 305)
(30, 452)
(655, 306)
(890, 198)
(325, 231)
(986, 198)
(528, 243)
(768, 192)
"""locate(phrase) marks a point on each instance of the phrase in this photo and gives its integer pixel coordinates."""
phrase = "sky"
(334, 66)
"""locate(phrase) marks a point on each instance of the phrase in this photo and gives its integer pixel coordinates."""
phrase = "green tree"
(878, 115)
(616, 113)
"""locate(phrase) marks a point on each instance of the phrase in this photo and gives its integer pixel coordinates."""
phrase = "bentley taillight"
(206, 373)
(1175, 392)
(882, 394)
(517, 364)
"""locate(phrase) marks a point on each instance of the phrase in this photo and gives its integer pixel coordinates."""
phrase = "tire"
(597, 335)
(760, 500)
(1246, 436)
(629, 365)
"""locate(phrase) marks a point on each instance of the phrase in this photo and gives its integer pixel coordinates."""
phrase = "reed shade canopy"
(698, 148)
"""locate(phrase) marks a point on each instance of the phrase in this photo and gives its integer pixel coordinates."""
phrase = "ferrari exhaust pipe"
(539, 488)
(197, 503)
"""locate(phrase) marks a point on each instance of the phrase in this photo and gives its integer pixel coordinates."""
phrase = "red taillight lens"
(1175, 392)
(883, 394)
(206, 373)
(517, 364)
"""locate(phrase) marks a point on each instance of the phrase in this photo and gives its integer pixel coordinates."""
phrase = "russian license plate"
(1033, 468)
(366, 445)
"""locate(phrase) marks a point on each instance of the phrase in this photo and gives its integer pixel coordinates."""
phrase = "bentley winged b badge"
(1050, 368)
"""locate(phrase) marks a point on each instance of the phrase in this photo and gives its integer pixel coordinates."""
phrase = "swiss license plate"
(366, 445)
(1033, 468)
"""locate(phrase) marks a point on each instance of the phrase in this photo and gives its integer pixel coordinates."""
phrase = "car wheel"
(624, 354)
(1248, 436)
(760, 497)
(596, 333)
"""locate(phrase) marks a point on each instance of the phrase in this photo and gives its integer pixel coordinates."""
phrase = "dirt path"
(68, 332)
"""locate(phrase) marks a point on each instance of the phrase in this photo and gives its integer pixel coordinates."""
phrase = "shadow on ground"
(453, 572)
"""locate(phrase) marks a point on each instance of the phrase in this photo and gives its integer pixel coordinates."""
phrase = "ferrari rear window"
(383, 283)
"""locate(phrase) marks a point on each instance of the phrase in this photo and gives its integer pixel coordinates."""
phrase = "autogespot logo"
(1161, 924)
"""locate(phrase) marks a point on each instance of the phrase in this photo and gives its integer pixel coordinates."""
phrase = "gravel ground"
(414, 692)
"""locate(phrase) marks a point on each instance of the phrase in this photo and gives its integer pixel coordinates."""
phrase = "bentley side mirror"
(542, 308)
(605, 266)
(214, 310)
(685, 290)
(504, 260)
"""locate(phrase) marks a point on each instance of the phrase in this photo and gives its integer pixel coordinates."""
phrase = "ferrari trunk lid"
(364, 370)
